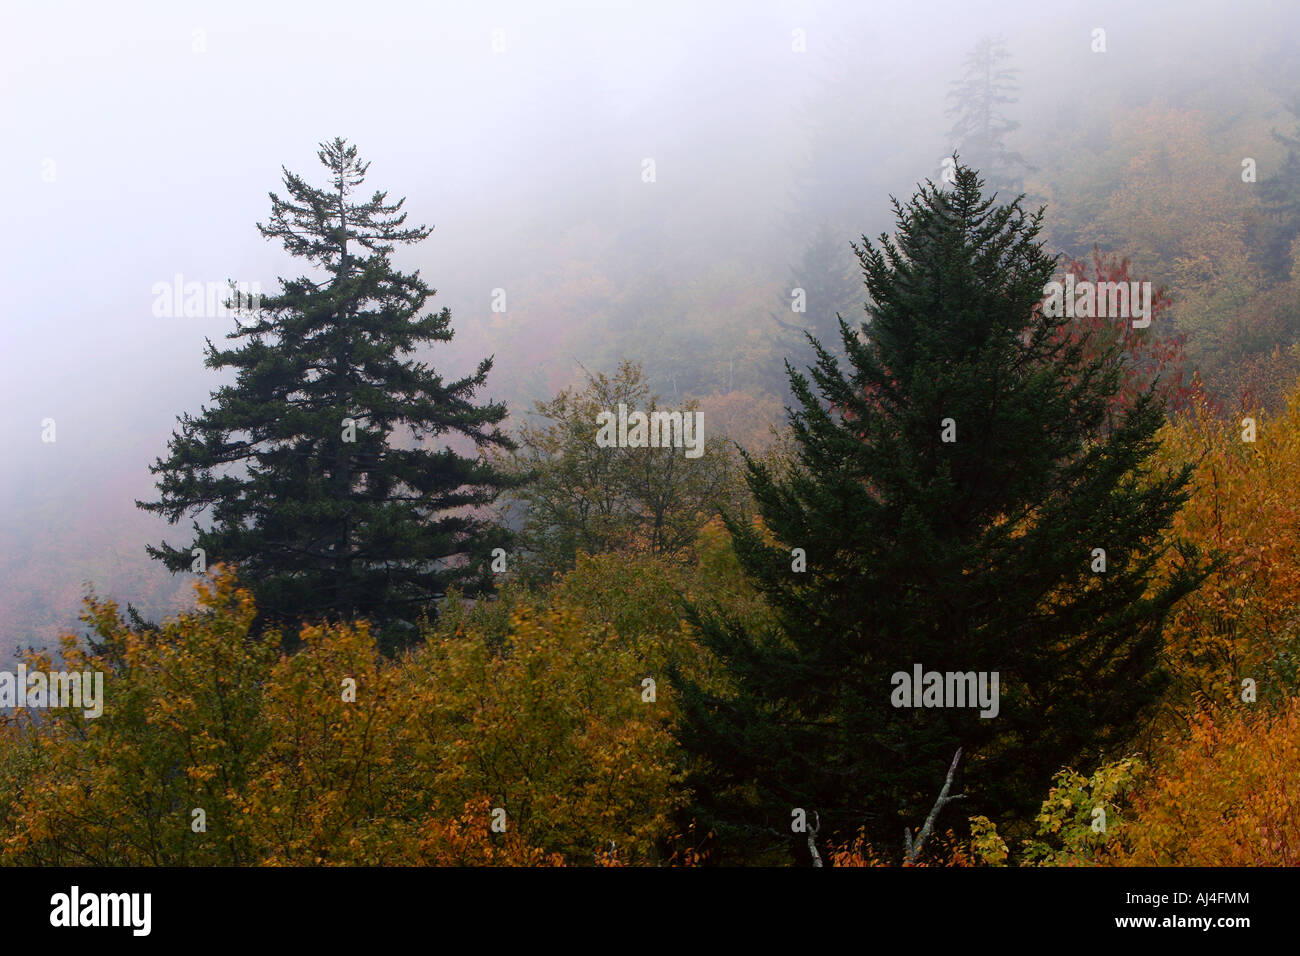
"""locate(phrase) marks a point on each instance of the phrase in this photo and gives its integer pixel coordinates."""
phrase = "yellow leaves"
(289, 772)
(556, 723)
(986, 845)
(1228, 796)
(1242, 506)
(1081, 817)
(201, 774)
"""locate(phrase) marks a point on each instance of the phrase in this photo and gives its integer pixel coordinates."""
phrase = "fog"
(142, 142)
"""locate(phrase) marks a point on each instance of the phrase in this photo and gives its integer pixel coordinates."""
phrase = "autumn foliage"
(1243, 621)
(541, 752)
(534, 705)
(1230, 797)
(1152, 357)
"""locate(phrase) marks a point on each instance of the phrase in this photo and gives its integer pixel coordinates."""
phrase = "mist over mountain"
(144, 143)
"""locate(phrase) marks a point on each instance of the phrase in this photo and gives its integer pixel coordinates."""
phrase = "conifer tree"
(954, 488)
(980, 126)
(303, 467)
(822, 288)
(1272, 231)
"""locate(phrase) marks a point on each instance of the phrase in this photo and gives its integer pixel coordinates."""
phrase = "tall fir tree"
(299, 466)
(822, 288)
(980, 126)
(1276, 226)
(950, 491)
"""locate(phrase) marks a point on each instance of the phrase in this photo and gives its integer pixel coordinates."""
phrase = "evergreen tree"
(980, 127)
(298, 465)
(822, 288)
(1271, 233)
(974, 554)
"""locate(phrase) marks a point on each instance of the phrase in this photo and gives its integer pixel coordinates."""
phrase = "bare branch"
(812, 840)
(913, 850)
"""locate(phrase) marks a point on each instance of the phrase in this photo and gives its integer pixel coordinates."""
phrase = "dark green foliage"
(320, 525)
(974, 555)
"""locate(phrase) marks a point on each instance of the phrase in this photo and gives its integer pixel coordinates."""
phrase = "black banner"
(588, 906)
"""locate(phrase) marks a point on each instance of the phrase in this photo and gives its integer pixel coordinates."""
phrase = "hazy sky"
(142, 140)
(164, 125)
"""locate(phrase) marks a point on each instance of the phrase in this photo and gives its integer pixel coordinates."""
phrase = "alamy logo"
(1114, 300)
(55, 689)
(656, 430)
(204, 300)
(949, 689)
(102, 909)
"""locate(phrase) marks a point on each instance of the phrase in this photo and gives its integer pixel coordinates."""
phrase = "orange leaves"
(467, 840)
(177, 734)
(857, 852)
(1231, 797)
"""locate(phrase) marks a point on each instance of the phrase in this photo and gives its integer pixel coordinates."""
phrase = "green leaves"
(592, 499)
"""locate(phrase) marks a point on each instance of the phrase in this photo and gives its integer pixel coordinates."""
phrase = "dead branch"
(913, 849)
(812, 840)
